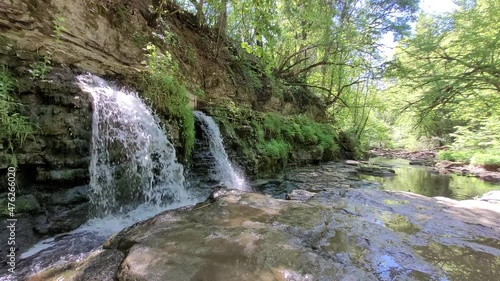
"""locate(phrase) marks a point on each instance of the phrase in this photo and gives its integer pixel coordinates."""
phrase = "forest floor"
(429, 158)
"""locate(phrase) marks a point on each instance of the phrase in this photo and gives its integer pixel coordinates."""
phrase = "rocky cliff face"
(107, 37)
(52, 161)
(43, 45)
(87, 35)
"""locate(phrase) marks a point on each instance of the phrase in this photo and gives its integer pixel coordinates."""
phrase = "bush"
(456, 155)
(485, 159)
(471, 156)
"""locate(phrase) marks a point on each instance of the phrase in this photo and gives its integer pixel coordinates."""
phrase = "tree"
(450, 70)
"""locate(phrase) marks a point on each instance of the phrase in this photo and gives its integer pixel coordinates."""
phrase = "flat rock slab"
(338, 234)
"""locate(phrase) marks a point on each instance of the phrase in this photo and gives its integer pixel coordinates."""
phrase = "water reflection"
(461, 263)
(341, 242)
(399, 223)
(424, 181)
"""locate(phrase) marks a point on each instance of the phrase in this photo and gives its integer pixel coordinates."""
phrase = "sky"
(436, 6)
(427, 6)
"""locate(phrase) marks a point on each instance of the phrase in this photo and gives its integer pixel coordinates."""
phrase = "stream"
(135, 176)
(429, 182)
(76, 246)
(410, 178)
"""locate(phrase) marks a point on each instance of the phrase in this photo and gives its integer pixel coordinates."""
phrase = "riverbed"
(307, 182)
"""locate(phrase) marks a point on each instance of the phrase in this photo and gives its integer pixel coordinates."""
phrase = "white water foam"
(225, 172)
(133, 162)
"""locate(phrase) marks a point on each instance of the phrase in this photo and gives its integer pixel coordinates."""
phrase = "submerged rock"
(100, 266)
(339, 234)
(376, 171)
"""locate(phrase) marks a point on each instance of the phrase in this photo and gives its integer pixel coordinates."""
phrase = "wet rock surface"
(331, 234)
(376, 171)
(491, 197)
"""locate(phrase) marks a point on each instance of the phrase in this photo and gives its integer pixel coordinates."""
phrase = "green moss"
(120, 16)
(139, 38)
(168, 93)
(273, 137)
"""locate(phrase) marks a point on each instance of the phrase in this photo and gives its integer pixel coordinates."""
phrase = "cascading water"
(224, 172)
(134, 176)
(133, 162)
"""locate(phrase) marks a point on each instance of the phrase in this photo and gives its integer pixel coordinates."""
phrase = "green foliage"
(473, 157)
(277, 149)
(14, 127)
(446, 78)
(40, 68)
(43, 64)
(58, 27)
(139, 38)
(486, 159)
(165, 89)
(328, 47)
(454, 155)
(273, 136)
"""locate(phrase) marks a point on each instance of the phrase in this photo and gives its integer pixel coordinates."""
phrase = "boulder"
(352, 163)
(300, 195)
(491, 197)
(23, 204)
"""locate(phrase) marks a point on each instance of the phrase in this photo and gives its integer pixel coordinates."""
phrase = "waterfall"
(133, 162)
(224, 170)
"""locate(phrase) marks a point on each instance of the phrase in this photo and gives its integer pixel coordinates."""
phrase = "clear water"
(425, 181)
(225, 173)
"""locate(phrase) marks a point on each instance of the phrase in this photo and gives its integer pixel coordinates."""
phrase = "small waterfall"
(133, 174)
(133, 162)
(224, 171)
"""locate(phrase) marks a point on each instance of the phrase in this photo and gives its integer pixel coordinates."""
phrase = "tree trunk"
(200, 16)
(222, 19)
